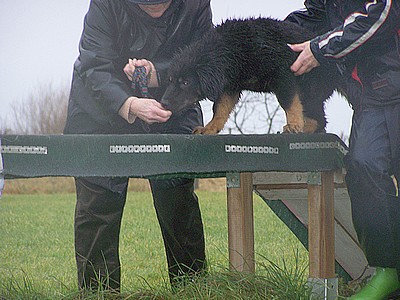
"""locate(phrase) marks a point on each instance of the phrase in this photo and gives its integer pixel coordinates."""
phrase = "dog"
(249, 54)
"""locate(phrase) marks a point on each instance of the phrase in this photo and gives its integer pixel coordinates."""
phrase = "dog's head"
(195, 74)
(182, 92)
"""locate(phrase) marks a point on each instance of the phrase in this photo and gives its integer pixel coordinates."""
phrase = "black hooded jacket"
(362, 37)
(114, 31)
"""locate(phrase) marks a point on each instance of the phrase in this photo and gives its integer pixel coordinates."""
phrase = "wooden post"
(321, 231)
(240, 222)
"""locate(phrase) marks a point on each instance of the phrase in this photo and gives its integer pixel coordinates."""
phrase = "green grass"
(37, 254)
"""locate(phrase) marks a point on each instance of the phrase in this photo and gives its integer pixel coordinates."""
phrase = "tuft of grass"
(272, 282)
(287, 281)
(11, 288)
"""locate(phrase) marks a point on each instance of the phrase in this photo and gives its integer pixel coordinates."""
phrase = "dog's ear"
(212, 82)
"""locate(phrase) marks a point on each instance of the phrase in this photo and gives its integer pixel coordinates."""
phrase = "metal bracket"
(324, 288)
(233, 180)
(314, 178)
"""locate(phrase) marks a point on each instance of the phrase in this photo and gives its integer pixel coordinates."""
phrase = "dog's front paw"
(204, 130)
(293, 128)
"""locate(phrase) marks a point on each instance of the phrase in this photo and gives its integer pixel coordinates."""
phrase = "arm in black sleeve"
(98, 56)
(374, 24)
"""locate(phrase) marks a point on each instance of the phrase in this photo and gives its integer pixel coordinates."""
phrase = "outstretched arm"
(378, 20)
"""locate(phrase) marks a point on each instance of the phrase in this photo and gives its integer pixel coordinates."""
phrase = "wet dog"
(249, 54)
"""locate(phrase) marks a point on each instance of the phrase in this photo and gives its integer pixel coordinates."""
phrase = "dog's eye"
(185, 83)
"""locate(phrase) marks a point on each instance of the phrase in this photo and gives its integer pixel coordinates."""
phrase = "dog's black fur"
(250, 54)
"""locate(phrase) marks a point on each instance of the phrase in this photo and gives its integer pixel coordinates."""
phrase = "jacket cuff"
(316, 51)
(125, 113)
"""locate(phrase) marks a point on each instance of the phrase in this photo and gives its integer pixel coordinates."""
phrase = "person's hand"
(148, 65)
(149, 110)
(306, 61)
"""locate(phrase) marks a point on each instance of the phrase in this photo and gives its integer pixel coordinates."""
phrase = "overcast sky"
(39, 44)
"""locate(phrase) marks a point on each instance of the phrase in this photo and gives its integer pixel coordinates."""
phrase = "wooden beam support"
(241, 224)
(321, 232)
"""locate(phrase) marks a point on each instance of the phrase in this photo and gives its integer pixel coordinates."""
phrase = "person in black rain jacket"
(135, 33)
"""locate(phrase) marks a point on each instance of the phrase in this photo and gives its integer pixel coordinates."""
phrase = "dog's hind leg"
(222, 109)
(294, 116)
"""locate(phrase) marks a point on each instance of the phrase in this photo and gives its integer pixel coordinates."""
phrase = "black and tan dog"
(250, 54)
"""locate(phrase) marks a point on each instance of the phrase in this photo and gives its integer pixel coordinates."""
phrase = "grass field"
(37, 255)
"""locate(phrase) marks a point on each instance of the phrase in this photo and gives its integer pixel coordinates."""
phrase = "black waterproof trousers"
(98, 221)
(99, 209)
(372, 163)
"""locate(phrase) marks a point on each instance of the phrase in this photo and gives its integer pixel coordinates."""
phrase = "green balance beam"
(149, 156)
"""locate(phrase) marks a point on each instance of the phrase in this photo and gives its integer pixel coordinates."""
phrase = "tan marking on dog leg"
(310, 125)
(222, 110)
(294, 117)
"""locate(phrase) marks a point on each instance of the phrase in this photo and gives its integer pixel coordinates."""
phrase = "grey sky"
(39, 44)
